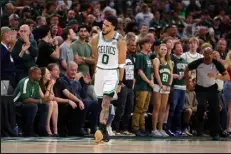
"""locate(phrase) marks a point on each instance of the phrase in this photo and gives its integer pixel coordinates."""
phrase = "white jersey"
(108, 52)
(190, 57)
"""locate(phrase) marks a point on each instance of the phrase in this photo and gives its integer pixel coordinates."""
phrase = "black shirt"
(129, 71)
(58, 88)
(45, 51)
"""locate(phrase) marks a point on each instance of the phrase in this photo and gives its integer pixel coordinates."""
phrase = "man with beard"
(109, 52)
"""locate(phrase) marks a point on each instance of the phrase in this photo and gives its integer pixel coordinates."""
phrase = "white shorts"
(158, 90)
(106, 81)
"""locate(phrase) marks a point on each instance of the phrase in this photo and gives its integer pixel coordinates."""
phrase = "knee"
(188, 111)
(51, 104)
(55, 104)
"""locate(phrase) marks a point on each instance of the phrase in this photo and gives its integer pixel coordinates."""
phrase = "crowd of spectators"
(47, 57)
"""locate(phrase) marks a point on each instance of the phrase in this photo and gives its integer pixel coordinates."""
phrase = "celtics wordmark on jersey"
(108, 52)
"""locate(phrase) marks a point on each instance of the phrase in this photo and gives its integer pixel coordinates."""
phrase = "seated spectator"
(48, 52)
(24, 53)
(190, 106)
(46, 85)
(68, 119)
(77, 90)
(29, 103)
(8, 39)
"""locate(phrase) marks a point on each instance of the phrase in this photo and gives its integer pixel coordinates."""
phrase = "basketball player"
(109, 50)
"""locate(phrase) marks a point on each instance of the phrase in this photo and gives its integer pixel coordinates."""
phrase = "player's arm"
(122, 57)
(93, 44)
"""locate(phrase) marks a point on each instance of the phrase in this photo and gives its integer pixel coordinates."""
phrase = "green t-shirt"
(165, 74)
(26, 89)
(144, 63)
(179, 66)
(82, 50)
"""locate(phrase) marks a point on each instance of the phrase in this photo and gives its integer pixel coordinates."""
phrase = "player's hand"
(118, 89)
(81, 105)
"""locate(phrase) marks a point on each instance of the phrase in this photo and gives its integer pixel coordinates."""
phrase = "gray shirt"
(66, 53)
(203, 69)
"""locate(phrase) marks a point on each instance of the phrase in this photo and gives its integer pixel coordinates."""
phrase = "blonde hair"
(167, 56)
(228, 60)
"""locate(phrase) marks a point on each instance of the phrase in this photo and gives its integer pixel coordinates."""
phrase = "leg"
(187, 116)
(121, 103)
(43, 112)
(54, 117)
(201, 107)
(141, 98)
(129, 109)
(170, 102)
(105, 109)
(145, 108)
(229, 117)
(62, 119)
(179, 109)
(175, 99)
(94, 109)
(156, 107)
(29, 112)
(50, 111)
(162, 110)
(214, 115)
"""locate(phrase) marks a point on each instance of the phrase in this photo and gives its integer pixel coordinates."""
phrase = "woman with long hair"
(227, 91)
(46, 85)
(163, 79)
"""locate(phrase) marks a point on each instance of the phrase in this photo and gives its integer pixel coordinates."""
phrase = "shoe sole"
(98, 137)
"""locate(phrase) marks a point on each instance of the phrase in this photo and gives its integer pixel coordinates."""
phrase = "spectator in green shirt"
(29, 103)
(143, 86)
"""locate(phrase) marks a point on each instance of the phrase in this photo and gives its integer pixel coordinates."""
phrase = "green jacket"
(26, 89)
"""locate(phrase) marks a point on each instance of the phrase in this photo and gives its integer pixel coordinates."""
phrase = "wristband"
(120, 82)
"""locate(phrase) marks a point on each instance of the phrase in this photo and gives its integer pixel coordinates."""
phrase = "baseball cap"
(5, 29)
(14, 16)
(72, 22)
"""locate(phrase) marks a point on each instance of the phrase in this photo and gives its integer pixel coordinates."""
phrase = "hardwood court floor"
(116, 145)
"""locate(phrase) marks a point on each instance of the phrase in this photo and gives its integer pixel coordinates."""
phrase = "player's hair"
(113, 20)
